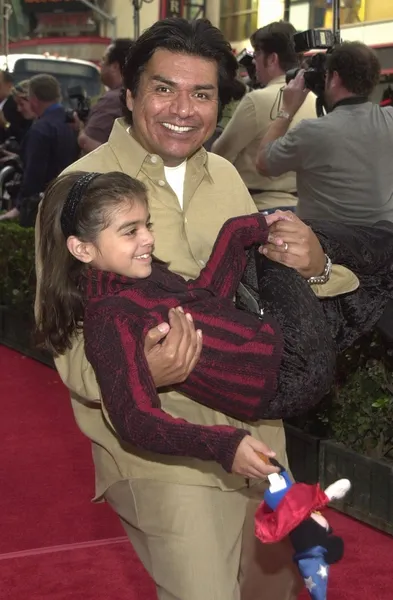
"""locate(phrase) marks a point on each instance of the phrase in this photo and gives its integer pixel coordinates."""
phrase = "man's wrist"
(324, 275)
(284, 114)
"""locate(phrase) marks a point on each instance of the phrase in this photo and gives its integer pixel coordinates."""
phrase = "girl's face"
(126, 246)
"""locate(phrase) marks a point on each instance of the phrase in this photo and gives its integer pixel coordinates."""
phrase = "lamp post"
(138, 4)
(287, 10)
(5, 14)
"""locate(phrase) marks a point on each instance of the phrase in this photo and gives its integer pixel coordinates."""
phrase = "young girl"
(96, 250)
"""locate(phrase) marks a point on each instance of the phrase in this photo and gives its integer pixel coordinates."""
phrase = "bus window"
(68, 74)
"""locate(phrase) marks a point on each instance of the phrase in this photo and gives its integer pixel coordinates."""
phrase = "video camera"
(79, 104)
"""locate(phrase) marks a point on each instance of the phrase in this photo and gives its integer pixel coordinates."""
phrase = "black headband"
(67, 217)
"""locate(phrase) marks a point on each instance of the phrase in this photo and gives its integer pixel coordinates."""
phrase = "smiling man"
(190, 522)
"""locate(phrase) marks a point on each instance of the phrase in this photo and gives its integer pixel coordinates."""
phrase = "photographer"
(108, 107)
(49, 147)
(343, 159)
(239, 142)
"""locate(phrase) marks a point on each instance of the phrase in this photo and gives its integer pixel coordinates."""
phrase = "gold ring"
(286, 247)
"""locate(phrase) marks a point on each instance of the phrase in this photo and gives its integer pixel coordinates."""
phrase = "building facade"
(44, 24)
(370, 21)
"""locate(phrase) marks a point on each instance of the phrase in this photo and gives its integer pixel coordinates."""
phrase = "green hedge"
(17, 273)
(358, 412)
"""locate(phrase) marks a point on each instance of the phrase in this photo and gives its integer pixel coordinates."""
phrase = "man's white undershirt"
(175, 177)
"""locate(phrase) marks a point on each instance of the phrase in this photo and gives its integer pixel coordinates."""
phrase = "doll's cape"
(296, 506)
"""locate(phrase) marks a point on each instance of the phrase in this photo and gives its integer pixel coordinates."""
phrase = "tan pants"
(198, 543)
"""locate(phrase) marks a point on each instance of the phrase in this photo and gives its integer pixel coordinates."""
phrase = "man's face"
(332, 82)
(24, 107)
(106, 69)
(263, 67)
(175, 109)
(5, 88)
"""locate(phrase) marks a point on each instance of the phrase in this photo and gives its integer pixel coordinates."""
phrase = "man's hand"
(292, 243)
(5, 156)
(3, 120)
(247, 462)
(173, 349)
(294, 94)
(77, 124)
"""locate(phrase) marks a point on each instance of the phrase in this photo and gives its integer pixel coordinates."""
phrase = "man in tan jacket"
(240, 140)
(190, 522)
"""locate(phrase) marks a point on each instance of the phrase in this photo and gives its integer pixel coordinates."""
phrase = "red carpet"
(55, 544)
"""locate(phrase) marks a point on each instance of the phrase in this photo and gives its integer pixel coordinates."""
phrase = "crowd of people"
(180, 467)
(40, 139)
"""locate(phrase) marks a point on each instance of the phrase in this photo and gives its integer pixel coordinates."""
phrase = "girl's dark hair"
(60, 304)
(197, 38)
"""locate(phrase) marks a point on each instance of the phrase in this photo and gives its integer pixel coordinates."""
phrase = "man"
(190, 522)
(12, 122)
(49, 147)
(343, 159)
(108, 107)
(239, 143)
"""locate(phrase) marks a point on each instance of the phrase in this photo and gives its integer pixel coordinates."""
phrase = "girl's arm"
(115, 348)
(227, 262)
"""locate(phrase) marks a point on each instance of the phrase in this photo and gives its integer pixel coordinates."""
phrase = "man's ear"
(82, 251)
(129, 100)
(273, 60)
(335, 79)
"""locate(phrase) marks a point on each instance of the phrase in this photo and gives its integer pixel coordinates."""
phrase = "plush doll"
(291, 509)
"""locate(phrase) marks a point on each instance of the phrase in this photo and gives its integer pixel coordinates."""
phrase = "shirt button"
(154, 159)
(185, 220)
(202, 263)
(161, 182)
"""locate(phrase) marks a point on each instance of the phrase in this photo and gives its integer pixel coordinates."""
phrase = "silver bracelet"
(324, 278)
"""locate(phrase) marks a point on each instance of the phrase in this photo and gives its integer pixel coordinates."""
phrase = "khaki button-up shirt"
(241, 138)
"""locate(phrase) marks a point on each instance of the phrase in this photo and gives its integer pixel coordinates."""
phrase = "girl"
(98, 268)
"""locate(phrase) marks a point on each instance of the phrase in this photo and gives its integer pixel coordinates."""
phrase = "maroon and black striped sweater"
(238, 368)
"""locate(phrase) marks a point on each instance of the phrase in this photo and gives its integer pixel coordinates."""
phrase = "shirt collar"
(277, 80)
(351, 100)
(133, 158)
(51, 108)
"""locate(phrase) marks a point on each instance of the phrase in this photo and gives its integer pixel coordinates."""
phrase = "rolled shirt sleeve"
(286, 153)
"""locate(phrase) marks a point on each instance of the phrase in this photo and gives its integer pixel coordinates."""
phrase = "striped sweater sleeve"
(225, 267)
(115, 349)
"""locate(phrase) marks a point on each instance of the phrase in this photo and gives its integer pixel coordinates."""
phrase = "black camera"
(314, 75)
(79, 104)
(315, 71)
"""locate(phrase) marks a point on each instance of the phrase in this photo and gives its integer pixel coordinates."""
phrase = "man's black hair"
(196, 38)
(118, 51)
(357, 65)
(277, 37)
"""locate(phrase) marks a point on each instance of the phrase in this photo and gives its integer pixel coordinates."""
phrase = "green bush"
(17, 272)
(359, 410)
